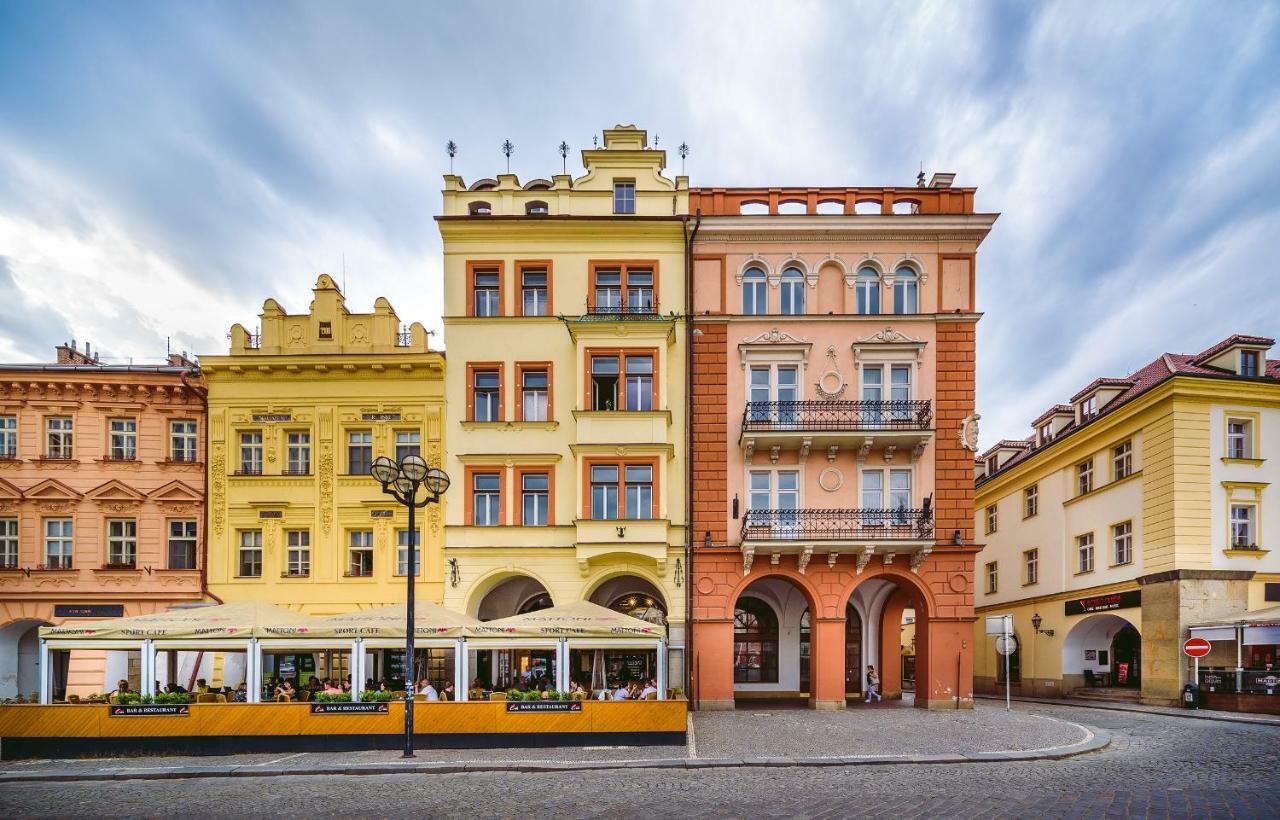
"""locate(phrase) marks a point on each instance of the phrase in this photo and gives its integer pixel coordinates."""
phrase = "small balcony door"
(777, 491)
(774, 383)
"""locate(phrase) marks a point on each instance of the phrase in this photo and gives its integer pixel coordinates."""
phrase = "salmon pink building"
(101, 507)
(833, 430)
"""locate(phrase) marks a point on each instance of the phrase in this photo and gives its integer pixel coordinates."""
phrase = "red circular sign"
(1196, 647)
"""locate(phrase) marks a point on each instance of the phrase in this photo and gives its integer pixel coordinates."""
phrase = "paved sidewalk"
(876, 735)
(1170, 711)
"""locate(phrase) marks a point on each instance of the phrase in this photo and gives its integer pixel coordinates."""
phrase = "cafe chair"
(475, 694)
(497, 696)
(651, 696)
(220, 698)
(419, 698)
(283, 698)
(73, 698)
(304, 696)
(206, 698)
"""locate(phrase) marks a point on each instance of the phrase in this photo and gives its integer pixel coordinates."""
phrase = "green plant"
(677, 691)
(174, 697)
(128, 698)
(515, 694)
(332, 697)
(375, 696)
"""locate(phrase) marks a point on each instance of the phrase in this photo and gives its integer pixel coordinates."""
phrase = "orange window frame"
(487, 265)
(533, 264)
(621, 464)
(469, 502)
(486, 367)
(521, 369)
(625, 265)
(518, 495)
(620, 353)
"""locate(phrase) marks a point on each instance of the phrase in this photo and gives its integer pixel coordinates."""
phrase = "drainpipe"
(689, 237)
(203, 394)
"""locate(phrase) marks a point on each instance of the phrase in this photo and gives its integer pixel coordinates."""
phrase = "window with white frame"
(755, 293)
(993, 519)
(624, 196)
(1239, 438)
(360, 553)
(359, 452)
(774, 490)
(1122, 542)
(792, 292)
(905, 291)
(1031, 501)
(298, 553)
(533, 291)
(867, 289)
(1121, 460)
(872, 489)
(773, 383)
(533, 395)
(402, 552)
(182, 543)
(1089, 408)
(251, 452)
(1046, 433)
(408, 443)
(250, 554)
(183, 441)
(993, 577)
(1031, 567)
(122, 439)
(8, 543)
(59, 546)
(58, 437)
(1244, 533)
(1084, 477)
(899, 492)
(8, 436)
(486, 499)
(298, 456)
(535, 496)
(122, 542)
(1084, 553)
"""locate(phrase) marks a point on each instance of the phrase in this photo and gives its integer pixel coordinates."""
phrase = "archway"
(20, 660)
(768, 643)
(514, 595)
(1102, 650)
(631, 595)
(887, 627)
(506, 668)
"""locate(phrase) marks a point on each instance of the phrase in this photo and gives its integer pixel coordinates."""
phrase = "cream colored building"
(564, 303)
(1145, 506)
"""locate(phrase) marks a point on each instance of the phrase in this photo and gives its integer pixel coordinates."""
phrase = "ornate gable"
(176, 492)
(115, 491)
(51, 489)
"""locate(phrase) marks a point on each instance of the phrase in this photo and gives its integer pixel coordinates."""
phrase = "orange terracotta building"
(832, 387)
(101, 506)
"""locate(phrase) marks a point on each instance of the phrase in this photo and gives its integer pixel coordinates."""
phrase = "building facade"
(101, 506)
(564, 302)
(1144, 506)
(297, 412)
(833, 395)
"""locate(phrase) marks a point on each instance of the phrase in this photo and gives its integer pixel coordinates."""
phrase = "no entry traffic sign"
(1196, 647)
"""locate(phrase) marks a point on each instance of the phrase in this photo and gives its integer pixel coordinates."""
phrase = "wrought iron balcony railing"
(899, 524)
(645, 310)
(836, 416)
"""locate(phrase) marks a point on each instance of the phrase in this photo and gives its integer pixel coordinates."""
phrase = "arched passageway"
(505, 668)
(20, 660)
(1102, 650)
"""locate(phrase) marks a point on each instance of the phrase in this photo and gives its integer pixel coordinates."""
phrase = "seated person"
(122, 687)
(202, 686)
(427, 689)
(346, 685)
(447, 692)
(241, 694)
(606, 692)
(650, 688)
(621, 693)
(330, 689)
(287, 689)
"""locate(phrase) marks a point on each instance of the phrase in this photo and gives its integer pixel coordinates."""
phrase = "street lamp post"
(403, 482)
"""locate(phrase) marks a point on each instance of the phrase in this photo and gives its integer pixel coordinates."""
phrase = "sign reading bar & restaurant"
(349, 708)
(1103, 603)
(544, 706)
(150, 710)
(88, 610)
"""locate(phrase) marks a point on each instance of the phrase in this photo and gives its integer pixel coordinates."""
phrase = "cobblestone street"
(1156, 766)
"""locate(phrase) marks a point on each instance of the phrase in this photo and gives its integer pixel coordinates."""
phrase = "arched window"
(868, 287)
(480, 209)
(906, 290)
(792, 292)
(755, 642)
(537, 208)
(755, 299)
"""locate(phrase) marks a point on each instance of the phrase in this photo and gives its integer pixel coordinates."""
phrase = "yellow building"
(1145, 507)
(297, 412)
(564, 305)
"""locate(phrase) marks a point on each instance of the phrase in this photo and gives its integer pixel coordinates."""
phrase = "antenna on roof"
(683, 150)
(452, 148)
(508, 148)
(564, 157)
(595, 141)
(920, 176)
(655, 140)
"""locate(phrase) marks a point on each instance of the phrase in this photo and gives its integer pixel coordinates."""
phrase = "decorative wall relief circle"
(831, 385)
(831, 479)
(958, 583)
(706, 586)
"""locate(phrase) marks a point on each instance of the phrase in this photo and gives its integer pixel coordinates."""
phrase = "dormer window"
(480, 209)
(1249, 363)
(624, 196)
(1046, 433)
(993, 463)
(537, 208)
(1089, 408)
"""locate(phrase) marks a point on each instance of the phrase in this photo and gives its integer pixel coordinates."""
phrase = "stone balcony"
(836, 425)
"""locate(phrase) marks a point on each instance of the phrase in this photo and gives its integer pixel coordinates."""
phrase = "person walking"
(873, 684)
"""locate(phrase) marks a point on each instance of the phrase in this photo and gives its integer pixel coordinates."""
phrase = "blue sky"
(164, 167)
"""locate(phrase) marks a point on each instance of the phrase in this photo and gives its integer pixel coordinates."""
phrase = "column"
(562, 665)
(253, 671)
(354, 669)
(460, 670)
(826, 665)
(711, 671)
(148, 667)
(662, 670)
(46, 674)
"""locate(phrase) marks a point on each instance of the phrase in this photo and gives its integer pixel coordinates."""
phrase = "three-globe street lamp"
(406, 483)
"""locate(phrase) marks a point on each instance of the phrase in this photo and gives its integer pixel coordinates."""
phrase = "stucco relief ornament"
(774, 337)
(359, 334)
(830, 385)
(969, 432)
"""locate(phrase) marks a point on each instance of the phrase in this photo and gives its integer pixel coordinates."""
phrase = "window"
(299, 453)
(1249, 363)
(360, 553)
(624, 196)
(639, 393)
(182, 544)
(604, 492)
(639, 491)
(486, 396)
(486, 499)
(486, 292)
(58, 544)
(755, 642)
(640, 291)
(993, 577)
(534, 396)
(993, 463)
(775, 490)
(792, 292)
(479, 208)
(867, 287)
(905, 291)
(1239, 438)
(1089, 408)
(774, 383)
(122, 542)
(408, 443)
(251, 453)
(1084, 477)
(1084, 553)
(250, 554)
(622, 490)
(608, 291)
(402, 552)
(1031, 501)
(1030, 567)
(183, 444)
(359, 452)
(992, 519)
(8, 543)
(755, 293)
(1243, 527)
(899, 489)
(533, 292)
(8, 436)
(623, 288)
(1121, 460)
(872, 490)
(1122, 539)
(58, 437)
(122, 439)
(639, 383)
(535, 499)
(297, 553)
(537, 208)
(1046, 433)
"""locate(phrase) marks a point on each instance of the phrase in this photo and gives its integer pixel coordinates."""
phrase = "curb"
(1098, 739)
(1191, 714)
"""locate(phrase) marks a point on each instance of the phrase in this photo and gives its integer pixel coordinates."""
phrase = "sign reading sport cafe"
(1104, 603)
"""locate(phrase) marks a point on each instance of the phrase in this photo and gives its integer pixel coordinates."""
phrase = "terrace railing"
(836, 416)
(898, 524)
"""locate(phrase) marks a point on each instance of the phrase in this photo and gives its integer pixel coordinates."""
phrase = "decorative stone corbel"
(864, 559)
(751, 448)
(918, 558)
(803, 560)
(584, 567)
(831, 453)
(774, 452)
(889, 451)
(775, 559)
(832, 557)
(888, 558)
(864, 450)
(918, 451)
(748, 558)
(805, 444)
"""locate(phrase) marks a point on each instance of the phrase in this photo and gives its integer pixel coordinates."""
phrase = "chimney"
(70, 354)
(181, 360)
(941, 180)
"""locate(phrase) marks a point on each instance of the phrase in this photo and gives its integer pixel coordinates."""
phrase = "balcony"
(858, 532)
(641, 310)
(831, 425)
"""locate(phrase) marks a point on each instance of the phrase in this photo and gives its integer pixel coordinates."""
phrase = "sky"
(166, 166)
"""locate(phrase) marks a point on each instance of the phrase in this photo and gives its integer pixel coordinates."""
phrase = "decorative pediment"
(775, 337)
(755, 260)
(117, 492)
(912, 261)
(888, 336)
(869, 260)
(51, 489)
(176, 492)
(9, 492)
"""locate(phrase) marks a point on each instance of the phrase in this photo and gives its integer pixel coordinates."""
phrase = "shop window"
(755, 642)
